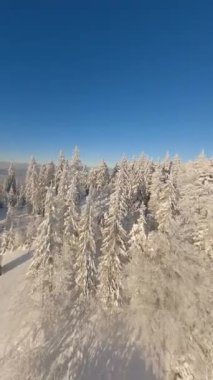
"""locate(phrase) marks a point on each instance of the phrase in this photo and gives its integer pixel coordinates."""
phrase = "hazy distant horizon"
(6, 162)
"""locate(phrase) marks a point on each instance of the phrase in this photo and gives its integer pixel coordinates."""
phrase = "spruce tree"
(86, 261)
(32, 187)
(47, 248)
(71, 234)
(59, 170)
(114, 246)
(11, 186)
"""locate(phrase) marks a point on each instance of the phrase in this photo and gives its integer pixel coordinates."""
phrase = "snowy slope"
(11, 285)
(16, 320)
(14, 316)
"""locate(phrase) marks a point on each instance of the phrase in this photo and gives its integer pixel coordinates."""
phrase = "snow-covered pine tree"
(138, 235)
(86, 261)
(161, 282)
(63, 185)
(148, 171)
(11, 238)
(72, 210)
(130, 192)
(59, 170)
(3, 247)
(157, 181)
(42, 189)
(136, 184)
(47, 249)
(21, 201)
(45, 180)
(113, 176)
(9, 216)
(75, 162)
(98, 177)
(2, 197)
(10, 186)
(12, 198)
(98, 180)
(196, 205)
(11, 179)
(7, 241)
(208, 236)
(136, 190)
(166, 165)
(71, 233)
(103, 176)
(92, 177)
(50, 174)
(63, 182)
(77, 168)
(32, 187)
(176, 171)
(167, 204)
(163, 203)
(143, 168)
(114, 246)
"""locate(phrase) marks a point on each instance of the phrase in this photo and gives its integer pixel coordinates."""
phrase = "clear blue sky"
(113, 77)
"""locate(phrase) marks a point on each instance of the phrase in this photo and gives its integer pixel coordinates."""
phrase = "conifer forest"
(119, 266)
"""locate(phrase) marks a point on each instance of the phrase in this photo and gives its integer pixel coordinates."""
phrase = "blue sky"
(113, 77)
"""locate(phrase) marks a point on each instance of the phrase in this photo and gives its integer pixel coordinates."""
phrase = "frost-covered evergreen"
(63, 182)
(42, 189)
(32, 189)
(75, 162)
(77, 169)
(6, 244)
(98, 180)
(21, 197)
(59, 170)
(114, 246)
(138, 236)
(9, 217)
(162, 278)
(136, 240)
(167, 204)
(99, 177)
(196, 204)
(71, 233)
(10, 186)
(46, 178)
(47, 249)
(72, 211)
(3, 247)
(86, 260)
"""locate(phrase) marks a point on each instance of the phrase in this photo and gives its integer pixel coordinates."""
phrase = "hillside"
(17, 319)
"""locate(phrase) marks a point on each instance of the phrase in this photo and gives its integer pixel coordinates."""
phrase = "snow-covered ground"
(16, 320)
(14, 316)
(11, 285)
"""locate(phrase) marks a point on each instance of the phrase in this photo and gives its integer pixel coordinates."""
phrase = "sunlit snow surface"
(17, 321)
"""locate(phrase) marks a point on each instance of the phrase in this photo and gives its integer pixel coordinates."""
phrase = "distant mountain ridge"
(17, 165)
(20, 169)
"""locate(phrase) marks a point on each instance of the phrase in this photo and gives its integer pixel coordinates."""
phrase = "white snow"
(16, 319)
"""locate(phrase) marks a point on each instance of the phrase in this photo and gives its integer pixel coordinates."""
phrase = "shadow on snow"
(16, 262)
